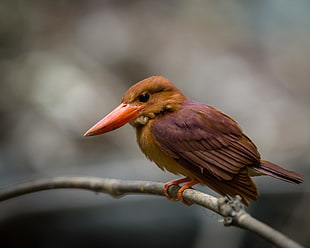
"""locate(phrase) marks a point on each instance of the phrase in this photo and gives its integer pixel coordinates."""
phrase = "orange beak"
(121, 115)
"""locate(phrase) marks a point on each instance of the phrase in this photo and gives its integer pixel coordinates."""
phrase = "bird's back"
(210, 145)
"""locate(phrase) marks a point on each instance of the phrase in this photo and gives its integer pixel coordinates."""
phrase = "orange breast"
(152, 151)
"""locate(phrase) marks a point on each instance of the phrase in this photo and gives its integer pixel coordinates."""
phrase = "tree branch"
(231, 209)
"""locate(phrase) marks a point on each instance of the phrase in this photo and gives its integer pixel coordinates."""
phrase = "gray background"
(66, 64)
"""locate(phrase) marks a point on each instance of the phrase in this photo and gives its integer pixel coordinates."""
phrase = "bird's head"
(145, 100)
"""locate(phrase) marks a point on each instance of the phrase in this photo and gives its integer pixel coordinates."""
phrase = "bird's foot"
(174, 182)
(189, 183)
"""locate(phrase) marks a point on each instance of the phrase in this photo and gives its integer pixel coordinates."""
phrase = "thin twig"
(231, 209)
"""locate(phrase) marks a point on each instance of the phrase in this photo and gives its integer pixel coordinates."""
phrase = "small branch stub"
(230, 209)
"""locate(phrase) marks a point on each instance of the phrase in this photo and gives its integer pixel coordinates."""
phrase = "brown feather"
(191, 139)
(203, 139)
(198, 141)
(276, 171)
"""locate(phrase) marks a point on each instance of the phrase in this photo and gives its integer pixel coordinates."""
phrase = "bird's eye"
(144, 97)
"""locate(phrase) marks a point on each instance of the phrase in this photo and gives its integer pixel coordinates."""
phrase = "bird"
(195, 140)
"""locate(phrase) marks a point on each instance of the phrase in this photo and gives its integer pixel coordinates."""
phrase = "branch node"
(231, 209)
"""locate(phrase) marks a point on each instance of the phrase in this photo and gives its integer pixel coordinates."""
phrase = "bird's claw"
(166, 188)
(189, 183)
(180, 195)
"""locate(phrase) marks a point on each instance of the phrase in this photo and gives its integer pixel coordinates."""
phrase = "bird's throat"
(141, 120)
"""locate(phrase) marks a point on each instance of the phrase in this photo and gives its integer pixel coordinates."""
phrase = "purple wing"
(211, 145)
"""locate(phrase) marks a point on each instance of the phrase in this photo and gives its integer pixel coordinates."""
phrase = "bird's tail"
(276, 171)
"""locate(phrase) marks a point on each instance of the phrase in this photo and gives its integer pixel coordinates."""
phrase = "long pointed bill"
(121, 115)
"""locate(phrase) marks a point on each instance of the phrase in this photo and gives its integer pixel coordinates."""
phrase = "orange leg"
(189, 183)
(174, 182)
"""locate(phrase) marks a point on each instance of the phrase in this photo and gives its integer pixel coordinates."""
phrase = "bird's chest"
(152, 150)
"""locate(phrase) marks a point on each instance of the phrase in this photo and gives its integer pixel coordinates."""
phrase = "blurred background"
(66, 64)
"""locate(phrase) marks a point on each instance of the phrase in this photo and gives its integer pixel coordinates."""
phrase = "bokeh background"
(65, 64)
